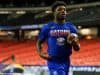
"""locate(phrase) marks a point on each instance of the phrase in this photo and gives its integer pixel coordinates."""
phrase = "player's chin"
(63, 16)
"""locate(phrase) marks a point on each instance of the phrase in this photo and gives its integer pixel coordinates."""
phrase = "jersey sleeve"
(43, 33)
(73, 29)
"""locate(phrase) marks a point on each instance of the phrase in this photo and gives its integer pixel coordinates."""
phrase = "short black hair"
(56, 4)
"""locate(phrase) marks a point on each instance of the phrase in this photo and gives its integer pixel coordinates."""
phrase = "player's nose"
(63, 12)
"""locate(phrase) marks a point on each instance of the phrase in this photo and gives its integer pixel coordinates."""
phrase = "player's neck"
(59, 21)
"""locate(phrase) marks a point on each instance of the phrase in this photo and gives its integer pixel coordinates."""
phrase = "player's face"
(60, 12)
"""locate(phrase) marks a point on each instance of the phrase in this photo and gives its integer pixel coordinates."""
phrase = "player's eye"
(60, 9)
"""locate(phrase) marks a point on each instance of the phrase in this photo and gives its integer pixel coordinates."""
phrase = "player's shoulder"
(45, 26)
(69, 24)
(48, 24)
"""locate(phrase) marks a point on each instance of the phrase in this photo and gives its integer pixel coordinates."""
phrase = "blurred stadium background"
(21, 21)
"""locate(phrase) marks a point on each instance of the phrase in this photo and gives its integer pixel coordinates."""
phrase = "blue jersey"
(56, 36)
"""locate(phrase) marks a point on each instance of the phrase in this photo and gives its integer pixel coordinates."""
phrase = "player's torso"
(57, 36)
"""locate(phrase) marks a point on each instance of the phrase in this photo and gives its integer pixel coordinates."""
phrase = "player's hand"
(71, 37)
(74, 41)
(45, 56)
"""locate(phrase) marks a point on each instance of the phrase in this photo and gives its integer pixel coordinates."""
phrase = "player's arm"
(40, 50)
(43, 35)
(75, 44)
(73, 37)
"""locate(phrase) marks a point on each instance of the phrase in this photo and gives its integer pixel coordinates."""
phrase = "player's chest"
(56, 31)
